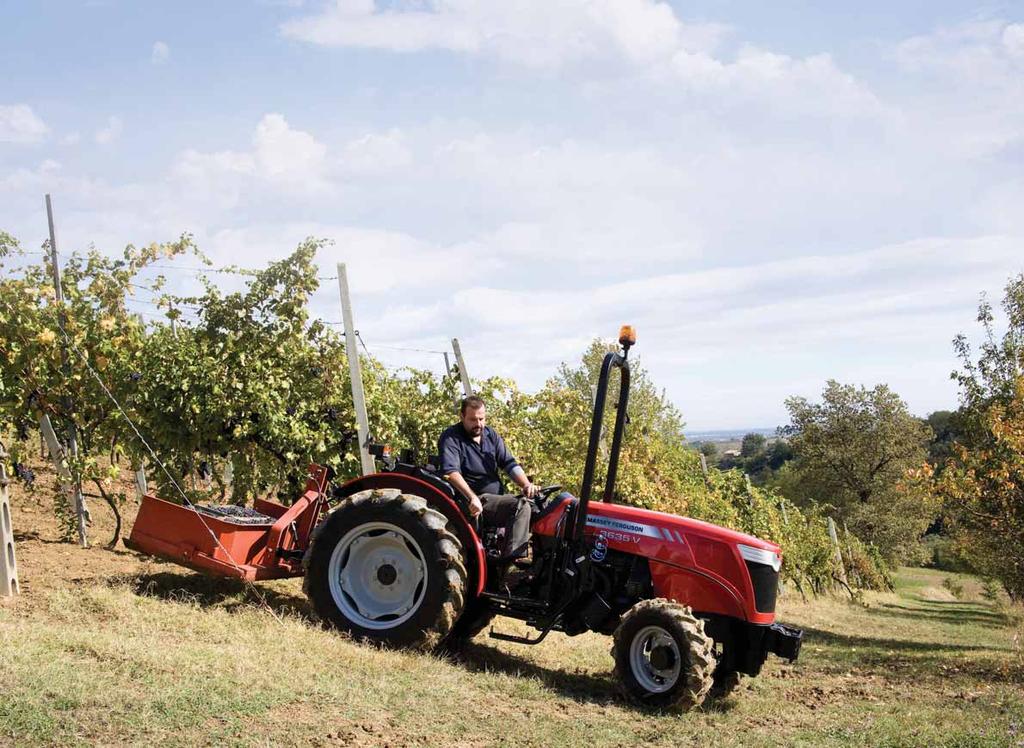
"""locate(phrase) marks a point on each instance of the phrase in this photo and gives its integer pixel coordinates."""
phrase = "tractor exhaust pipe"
(627, 338)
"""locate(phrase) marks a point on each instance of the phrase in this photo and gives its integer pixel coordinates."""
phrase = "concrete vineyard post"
(467, 386)
(838, 553)
(358, 398)
(81, 511)
(448, 372)
(8, 563)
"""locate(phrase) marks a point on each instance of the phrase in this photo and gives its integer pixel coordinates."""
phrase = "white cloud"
(377, 152)
(19, 124)
(598, 39)
(72, 138)
(968, 86)
(281, 158)
(110, 133)
(534, 33)
(160, 54)
(285, 153)
(797, 85)
(1013, 40)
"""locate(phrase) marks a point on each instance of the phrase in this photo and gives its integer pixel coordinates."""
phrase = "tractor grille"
(766, 586)
(236, 515)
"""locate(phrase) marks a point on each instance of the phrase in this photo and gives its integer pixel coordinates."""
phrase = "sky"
(773, 194)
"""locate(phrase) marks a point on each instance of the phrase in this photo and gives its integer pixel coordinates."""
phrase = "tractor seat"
(234, 514)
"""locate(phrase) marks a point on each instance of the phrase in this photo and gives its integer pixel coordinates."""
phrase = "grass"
(107, 648)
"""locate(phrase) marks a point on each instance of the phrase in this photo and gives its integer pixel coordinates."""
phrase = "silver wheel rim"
(377, 575)
(653, 678)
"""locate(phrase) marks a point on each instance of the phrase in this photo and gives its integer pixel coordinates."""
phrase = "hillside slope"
(107, 647)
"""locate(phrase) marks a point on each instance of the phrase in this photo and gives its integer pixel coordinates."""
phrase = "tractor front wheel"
(663, 658)
(384, 568)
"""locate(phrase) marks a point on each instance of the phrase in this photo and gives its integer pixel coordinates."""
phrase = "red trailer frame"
(263, 547)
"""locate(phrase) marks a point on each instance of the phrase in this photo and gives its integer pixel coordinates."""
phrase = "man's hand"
(456, 479)
(530, 490)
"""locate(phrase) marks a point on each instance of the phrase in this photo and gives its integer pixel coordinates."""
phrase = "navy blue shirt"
(478, 463)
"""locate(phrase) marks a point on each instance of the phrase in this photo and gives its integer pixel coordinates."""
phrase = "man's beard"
(476, 430)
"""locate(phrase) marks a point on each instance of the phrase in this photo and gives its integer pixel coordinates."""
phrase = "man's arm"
(456, 479)
(451, 461)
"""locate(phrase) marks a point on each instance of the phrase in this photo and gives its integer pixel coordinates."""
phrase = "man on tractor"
(471, 455)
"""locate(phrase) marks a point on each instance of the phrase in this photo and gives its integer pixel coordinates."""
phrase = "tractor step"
(234, 514)
(527, 603)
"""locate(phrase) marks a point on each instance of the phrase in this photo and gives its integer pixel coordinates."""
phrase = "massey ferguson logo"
(615, 524)
(629, 532)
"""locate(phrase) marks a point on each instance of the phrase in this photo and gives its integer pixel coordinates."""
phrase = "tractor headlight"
(760, 556)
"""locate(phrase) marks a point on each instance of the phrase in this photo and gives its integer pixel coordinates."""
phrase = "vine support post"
(849, 551)
(57, 456)
(355, 377)
(704, 470)
(8, 563)
(141, 487)
(81, 511)
(448, 371)
(838, 552)
(467, 386)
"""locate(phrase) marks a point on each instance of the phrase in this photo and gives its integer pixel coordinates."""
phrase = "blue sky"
(773, 193)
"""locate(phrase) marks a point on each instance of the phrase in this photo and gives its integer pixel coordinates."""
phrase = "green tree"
(853, 451)
(753, 446)
(946, 429)
(983, 491)
(709, 450)
(981, 483)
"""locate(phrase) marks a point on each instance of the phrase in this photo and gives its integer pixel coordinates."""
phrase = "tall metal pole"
(81, 510)
(358, 400)
(8, 564)
(467, 386)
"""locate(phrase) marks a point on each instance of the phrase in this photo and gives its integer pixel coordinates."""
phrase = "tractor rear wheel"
(725, 682)
(475, 618)
(663, 657)
(385, 568)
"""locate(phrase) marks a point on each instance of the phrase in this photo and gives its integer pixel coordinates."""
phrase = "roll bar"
(611, 360)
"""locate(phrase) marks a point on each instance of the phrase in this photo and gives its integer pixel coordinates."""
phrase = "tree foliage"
(99, 333)
(983, 489)
(853, 452)
(982, 483)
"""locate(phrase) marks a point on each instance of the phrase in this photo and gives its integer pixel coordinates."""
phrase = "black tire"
(474, 619)
(682, 651)
(402, 532)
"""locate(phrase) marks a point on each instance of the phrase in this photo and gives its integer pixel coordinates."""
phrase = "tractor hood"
(711, 568)
(668, 527)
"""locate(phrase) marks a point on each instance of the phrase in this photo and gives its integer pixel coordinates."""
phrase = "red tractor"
(399, 562)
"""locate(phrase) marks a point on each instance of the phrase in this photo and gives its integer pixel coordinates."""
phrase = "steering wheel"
(544, 495)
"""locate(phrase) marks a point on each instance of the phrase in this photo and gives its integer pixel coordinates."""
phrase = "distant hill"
(726, 435)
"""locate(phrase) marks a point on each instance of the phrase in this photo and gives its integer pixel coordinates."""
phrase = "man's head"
(474, 415)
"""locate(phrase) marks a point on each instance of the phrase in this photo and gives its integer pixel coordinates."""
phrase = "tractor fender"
(437, 500)
(699, 590)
